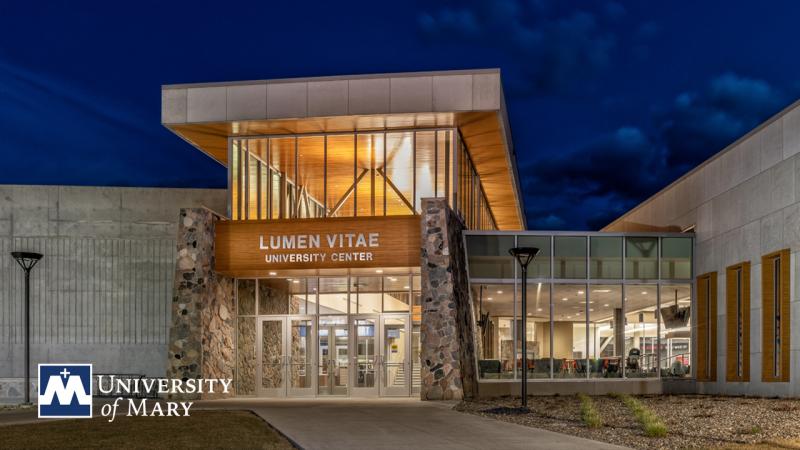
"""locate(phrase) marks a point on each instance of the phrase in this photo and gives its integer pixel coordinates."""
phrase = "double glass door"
(359, 355)
(286, 349)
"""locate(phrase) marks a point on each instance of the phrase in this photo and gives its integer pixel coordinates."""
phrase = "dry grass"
(651, 424)
(589, 413)
(203, 429)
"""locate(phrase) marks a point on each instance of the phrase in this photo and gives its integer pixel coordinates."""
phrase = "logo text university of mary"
(65, 390)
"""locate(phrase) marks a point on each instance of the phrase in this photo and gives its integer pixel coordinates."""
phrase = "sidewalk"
(396, 424)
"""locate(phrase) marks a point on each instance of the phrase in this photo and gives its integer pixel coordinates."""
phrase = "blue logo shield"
(65, 390)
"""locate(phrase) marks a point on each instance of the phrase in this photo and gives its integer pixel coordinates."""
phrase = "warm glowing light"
(296, 281)
(580, 292)
(602, 291)
(378, 271)
(538, 309)
(644, 292)
(499, 292)
(490, 298)
(606, 305)
(564, 299)
(272, 274)
(405, 287)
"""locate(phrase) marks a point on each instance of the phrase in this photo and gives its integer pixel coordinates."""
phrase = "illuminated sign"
(248, 248)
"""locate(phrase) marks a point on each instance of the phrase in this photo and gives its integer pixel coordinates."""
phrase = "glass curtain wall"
(586, 318)
(353, 175)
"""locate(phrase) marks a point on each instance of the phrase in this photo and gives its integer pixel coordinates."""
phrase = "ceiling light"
(296, 281)
(272, 274)
(499, 292)
(392, 279)
(378, 271)
(405, 287)
(591, 301)
(644, 292)
(606, 305)
(580, 292)
(489, 298)
(564, 299)
(603, 291)
(538, 309)
(591, 309)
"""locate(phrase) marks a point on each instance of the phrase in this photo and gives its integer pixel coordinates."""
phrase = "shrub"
(589, 414)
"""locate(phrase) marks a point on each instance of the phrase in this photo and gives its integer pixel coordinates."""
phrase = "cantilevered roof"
(207, 114)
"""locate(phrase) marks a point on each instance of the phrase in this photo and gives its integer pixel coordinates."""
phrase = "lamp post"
(27, 260)
(524, 255)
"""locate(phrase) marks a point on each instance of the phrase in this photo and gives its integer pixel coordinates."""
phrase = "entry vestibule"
(356, 341)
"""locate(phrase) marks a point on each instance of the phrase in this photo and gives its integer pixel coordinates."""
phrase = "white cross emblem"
(64, 373)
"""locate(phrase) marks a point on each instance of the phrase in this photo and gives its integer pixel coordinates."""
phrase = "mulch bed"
(693, 421)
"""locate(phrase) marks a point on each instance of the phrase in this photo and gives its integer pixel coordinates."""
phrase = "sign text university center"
(364, 252)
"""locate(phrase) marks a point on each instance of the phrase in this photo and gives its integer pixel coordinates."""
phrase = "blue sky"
(609, 101)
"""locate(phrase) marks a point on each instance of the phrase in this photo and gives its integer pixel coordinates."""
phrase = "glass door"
(333, 355)
(272, 358)
(366, 359)
(394, 362)
(300, 355)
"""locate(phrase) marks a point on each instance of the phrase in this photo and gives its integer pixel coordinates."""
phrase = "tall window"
(353, 174)
(737, 279)
(775, 316)
(707, 327)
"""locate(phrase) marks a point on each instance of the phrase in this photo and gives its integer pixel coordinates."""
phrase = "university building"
(361, 248)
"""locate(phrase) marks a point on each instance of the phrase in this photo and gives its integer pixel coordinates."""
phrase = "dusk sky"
(608, 101)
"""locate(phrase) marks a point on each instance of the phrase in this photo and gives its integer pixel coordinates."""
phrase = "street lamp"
(524, 255)
(27, 260)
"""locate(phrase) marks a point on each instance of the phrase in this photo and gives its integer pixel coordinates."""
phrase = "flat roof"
(207, 114)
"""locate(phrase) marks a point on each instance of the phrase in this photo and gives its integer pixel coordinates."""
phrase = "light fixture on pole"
(27, 260)
(524, 255)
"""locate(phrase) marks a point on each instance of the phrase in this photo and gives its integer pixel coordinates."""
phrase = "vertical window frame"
(707, 327)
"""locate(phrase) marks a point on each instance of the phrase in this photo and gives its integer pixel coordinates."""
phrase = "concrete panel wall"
(102, 293)
(743, 203)
(469, 90)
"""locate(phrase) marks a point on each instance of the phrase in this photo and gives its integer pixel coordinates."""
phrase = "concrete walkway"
(396, 424)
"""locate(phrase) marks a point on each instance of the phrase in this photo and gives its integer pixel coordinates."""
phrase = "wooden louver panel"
(737, 315)
(773, 299)
(707, 327)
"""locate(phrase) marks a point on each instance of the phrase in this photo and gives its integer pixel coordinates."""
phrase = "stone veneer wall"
(447, 339)
(201, 337)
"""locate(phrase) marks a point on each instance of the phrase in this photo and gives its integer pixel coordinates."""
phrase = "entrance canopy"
(207, 114)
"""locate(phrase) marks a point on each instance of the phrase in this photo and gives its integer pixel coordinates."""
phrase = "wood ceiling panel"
(482, 131)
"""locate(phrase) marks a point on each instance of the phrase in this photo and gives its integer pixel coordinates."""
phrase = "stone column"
(201, 335)
(448, 346)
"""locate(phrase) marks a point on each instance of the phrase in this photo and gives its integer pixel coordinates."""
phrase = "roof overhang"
(206, 115)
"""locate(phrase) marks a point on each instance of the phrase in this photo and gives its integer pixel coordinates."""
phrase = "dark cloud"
(552, 49)
(589, 186)
(700, 124)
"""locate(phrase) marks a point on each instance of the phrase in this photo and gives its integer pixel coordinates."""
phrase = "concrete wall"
(103, 291)
(744, 203)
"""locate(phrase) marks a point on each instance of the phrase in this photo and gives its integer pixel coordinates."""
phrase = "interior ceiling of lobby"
(482, 132)
(569, 300)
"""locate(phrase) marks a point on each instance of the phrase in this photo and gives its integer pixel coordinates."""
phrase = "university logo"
(65, 390)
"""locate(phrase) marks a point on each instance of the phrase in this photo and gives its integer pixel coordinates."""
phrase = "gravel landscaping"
(693, 421)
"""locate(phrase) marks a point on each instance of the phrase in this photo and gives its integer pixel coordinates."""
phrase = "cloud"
(551, 49)
(589, 186)
(700, 124)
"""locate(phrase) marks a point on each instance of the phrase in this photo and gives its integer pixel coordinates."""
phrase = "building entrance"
(359, 355)
(329, 336)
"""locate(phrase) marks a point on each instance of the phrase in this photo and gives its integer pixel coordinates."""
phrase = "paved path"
(396, 424)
